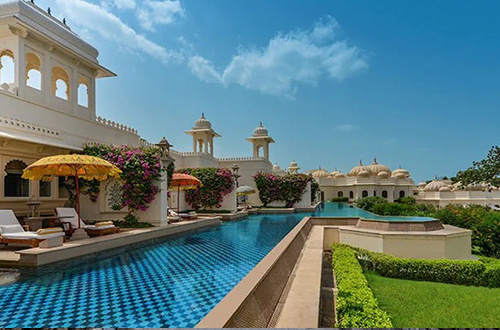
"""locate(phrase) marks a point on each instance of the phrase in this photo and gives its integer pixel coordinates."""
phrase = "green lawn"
(415, 304)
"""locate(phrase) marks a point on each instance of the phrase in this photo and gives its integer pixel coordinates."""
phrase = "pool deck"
(18, 256)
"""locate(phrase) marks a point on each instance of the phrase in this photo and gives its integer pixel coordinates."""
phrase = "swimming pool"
(346, 210)
(171, 283)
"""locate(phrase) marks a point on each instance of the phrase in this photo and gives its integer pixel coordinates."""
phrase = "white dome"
(276, 167)
(320, 173)
(339, 175)
(399, 176)
(260, 131)
(363, 173)
(422, 185)
(435, 185)
(446, 188)
(293, 163)
(376, 168)
(355, 171)
(383, 175)
(203, 122)
(400, 170)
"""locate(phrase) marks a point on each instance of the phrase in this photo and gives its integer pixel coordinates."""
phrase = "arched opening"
(33, 71)
(200, 146)
(259, 149)
(60, 83)
(364, 193)
(351, 194)
(14, 184)
(7, 67)
(385, 194)
(340, 194)
(401, 193)
(83, 93)
(374, 193)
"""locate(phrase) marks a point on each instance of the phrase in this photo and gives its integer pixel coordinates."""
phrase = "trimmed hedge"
(339, 199)
(356, 306)
(483, 272)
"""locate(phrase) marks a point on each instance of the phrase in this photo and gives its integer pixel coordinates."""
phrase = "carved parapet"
(115, 125)
(27, 127)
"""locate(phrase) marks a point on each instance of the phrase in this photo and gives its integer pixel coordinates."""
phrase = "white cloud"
(204, 70)
(120, 4)
(298, 57)
(154, 13)
(97, 19)
(345, 127)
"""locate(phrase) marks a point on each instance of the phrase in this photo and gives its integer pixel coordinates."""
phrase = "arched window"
(33, 71)
(351, 194)
(7, 67)
(83, 92)
(14, 184)
(374, 193)
(340, 194)
(384, 193)
(364, 193)
(60, 83)
(401, 193)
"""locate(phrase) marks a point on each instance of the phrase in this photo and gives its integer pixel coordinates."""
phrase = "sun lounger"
(71, 223)
(189, 216)
(173, 216)
(11, 231)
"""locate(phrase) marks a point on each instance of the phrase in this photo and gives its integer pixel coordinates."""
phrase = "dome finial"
(375, 160)
(203, 115)
(260, 124)
(360, 163)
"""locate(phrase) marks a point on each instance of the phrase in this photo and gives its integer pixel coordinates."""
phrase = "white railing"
(115, 125)
(235, 159)
(28, 127)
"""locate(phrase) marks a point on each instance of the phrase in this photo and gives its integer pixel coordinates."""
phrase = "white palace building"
(47, 107)
(379, 180)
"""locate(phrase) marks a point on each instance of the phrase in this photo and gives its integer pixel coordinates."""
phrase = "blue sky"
(414, 83)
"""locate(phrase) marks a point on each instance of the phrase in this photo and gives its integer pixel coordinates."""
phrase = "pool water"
(171, 283)
(346, 210)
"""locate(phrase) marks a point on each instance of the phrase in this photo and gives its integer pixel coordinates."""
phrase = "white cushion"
(73, 216)
(93, 227)
(7, 217)
(31, 235)
(11, 229)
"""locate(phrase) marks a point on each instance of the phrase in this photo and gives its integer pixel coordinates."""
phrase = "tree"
(486, 170)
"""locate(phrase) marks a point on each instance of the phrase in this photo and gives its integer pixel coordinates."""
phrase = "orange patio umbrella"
(181, 181)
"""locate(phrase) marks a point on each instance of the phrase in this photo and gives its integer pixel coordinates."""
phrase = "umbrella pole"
(77, 198)
(178, 199)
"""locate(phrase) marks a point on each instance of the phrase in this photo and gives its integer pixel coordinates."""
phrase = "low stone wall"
(73, 249)
(252, 302)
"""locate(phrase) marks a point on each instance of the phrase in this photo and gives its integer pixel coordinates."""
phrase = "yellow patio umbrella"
(79, 166)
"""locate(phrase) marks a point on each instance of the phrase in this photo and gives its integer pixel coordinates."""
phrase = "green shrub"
(356, 306)
(408, 200)
(394, 209)
(463, 272)
(339, 199)
(368, 203)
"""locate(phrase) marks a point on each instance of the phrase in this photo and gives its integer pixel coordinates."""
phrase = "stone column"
(156, 214)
